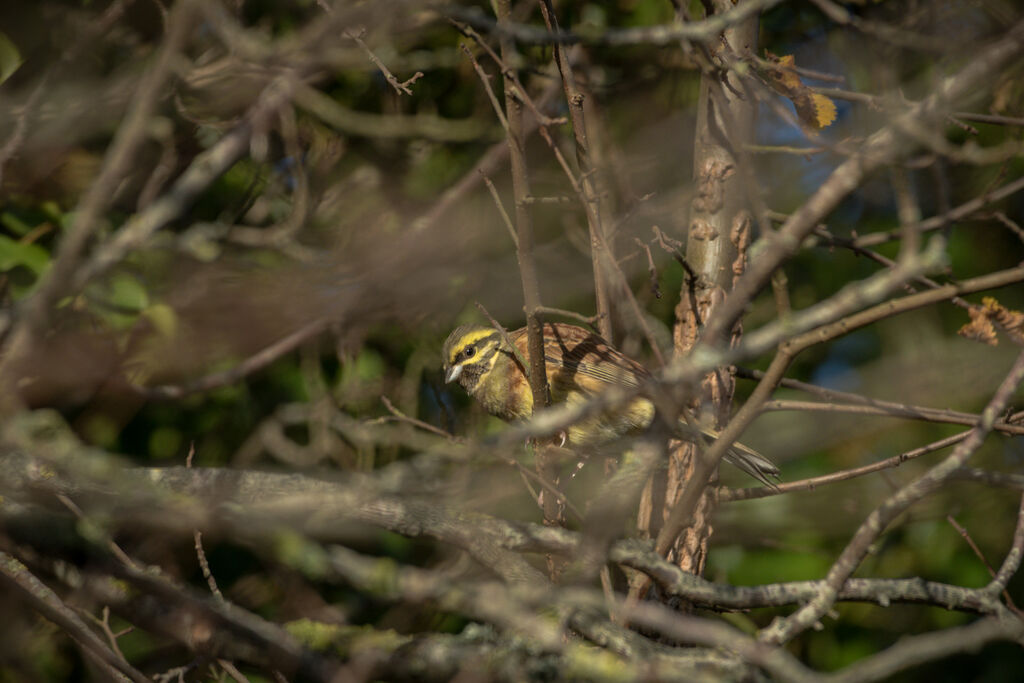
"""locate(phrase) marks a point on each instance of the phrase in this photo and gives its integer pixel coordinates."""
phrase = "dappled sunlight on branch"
(234, 442)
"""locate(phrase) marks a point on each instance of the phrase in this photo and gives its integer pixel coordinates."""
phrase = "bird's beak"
(453, 373)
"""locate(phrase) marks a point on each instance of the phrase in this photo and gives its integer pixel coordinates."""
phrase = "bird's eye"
(470, 350)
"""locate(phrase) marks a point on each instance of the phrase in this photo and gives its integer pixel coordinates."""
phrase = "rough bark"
(717, 237)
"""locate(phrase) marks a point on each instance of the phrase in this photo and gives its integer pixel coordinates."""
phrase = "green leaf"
(14, 254)
(10, 57)
(165, 443)
(163, 318)
(370, 365)
(128, 293)
(14, 224)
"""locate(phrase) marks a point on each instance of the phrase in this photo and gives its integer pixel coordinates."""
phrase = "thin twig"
(252, 364)
(585, 319)
(812, 483)
(197, 538)
(45, 601)
(1011, 563)
(783, 630)
(504, 336)
(512, 78)
(505, 218)
(601, 251)
(399, 86)
(964, 534)
(204, 565)
(886, 145)
(112, 545)
(402, 417)
(668, 34)
(486, 81)
(104, 624)
(488, 165)
(232, 671)
(674, 248)
(1013, 226)
(651, 270)
(990, 118)
(886, 409)
(940, 221)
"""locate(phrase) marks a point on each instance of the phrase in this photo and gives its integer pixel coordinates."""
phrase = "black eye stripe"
(479, 351)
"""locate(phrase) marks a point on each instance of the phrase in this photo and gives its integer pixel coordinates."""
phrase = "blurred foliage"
(360, 186)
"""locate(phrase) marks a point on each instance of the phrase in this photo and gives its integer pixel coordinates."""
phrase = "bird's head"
(469, 353)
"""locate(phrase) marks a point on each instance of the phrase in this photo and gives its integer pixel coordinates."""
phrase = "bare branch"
(247, 367)
(17, 576)
(705, 30)
(782, 630)
(886, 145)
(400, 87)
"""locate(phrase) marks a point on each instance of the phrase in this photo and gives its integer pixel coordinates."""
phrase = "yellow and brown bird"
(579, 364)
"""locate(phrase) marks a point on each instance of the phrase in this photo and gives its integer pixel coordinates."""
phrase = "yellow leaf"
(813, 109)
(985, 320)
(824, 110)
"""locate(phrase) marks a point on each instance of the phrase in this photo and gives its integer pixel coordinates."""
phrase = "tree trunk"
(717, 237)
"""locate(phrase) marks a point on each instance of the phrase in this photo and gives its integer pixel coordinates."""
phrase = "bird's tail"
(748, 460)
(753, 463)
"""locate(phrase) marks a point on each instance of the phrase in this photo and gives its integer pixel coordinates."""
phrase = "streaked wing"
(607, 374)
(582, 361)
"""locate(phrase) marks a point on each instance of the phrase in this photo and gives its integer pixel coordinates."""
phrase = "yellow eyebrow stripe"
(471, 337)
